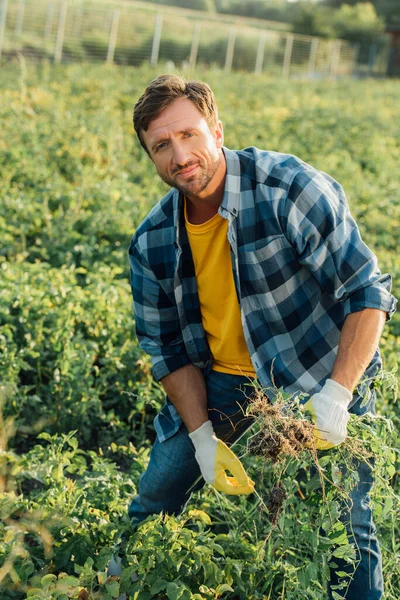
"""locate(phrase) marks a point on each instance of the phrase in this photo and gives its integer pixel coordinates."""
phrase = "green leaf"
(73, 442)
(345, 552)
(219, 549)
(102, 577)
(113, 588)
(159, 586)
(48, 580)
(66, 584)
(200, 515)
(174, 591)
(224, 587)
(391, 470)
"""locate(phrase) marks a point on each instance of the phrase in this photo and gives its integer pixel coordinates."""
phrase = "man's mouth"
(188, 171)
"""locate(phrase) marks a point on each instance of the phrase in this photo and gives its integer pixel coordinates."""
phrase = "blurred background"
(305, 38)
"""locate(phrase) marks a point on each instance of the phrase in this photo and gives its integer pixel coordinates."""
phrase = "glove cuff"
(335, 390)
(202, 434)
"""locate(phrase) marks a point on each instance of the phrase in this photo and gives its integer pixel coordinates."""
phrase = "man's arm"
(186, 389)
(358, 342)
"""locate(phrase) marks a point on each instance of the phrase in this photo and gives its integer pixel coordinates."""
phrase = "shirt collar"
(231, 198)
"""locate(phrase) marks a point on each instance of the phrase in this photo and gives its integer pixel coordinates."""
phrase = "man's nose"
(181, 154)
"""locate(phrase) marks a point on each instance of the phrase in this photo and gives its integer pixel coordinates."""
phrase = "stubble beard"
(199, 181)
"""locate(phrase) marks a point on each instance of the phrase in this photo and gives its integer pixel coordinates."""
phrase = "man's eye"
(189, 134)
(161, 146)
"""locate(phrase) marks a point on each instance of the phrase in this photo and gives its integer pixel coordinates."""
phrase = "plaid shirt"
(299, 266)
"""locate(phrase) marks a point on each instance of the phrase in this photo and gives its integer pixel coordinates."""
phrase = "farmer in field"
(250, 267)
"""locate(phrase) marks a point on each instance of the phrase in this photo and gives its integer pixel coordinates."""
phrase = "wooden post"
(113, 36)
(371, 58)
(312, 61)
(260, 53)
(156, 40)
(336, 47)
(195, 45)
(288, 55)
(356, 58)
(20, 17)
(230, 50)
(62, 17)
(3, 14)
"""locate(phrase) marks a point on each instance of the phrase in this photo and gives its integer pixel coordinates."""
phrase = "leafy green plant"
(77, 396)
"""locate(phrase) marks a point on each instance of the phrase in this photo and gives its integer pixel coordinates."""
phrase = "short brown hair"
(162, 91)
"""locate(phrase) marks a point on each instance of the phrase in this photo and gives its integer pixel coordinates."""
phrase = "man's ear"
(219, 134)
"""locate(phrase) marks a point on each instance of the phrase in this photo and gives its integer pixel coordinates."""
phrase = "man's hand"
(215, 458)
(329, 412)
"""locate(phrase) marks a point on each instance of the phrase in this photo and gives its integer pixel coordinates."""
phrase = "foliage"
(358, 23)
(388, 9)
(76, 394)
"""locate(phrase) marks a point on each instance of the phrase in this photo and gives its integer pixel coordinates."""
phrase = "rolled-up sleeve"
(156, 318)
(328, 242)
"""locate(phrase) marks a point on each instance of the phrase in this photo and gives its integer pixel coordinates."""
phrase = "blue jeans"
(171, 476)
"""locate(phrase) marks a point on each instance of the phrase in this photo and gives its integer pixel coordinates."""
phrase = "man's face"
(185, 152)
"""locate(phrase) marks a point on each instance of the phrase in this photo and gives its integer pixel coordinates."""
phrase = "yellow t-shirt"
(219, 305)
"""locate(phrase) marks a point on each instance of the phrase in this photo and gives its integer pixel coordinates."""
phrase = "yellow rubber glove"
(329, 412)
(215, 458)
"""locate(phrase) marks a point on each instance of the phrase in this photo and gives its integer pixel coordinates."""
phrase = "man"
(250, 267)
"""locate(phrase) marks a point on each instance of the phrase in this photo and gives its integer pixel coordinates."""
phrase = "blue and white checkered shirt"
(299, 265)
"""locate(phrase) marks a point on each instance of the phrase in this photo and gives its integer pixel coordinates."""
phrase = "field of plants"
(76, 395)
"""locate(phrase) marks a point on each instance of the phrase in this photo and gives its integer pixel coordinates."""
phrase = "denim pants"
(172, 472)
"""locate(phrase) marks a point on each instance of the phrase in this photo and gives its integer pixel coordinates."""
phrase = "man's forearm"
(186, 389)
(358, 342)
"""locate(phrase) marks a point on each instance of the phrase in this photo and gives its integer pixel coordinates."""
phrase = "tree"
(388, 9)
(314, 20)
(359, 23)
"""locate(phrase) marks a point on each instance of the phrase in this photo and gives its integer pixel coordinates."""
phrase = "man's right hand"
(215, 458)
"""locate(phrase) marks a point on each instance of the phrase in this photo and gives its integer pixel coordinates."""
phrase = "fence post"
(312, 61)
(260, 53)
(230, 50)
(20, 17)
(356, 58)
(62, 17)
(331, 56)
(371, 58)
(336, 47)
(288, 55)
(195, 45)
(156, 40)
(113, 36)
(3, 14)
(51, 9)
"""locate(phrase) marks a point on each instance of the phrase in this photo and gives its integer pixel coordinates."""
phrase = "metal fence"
(133, 33)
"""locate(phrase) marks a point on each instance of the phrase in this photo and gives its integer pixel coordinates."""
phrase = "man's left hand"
(330, 415)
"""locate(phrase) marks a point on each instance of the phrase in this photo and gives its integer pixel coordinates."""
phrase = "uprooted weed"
(283, 431)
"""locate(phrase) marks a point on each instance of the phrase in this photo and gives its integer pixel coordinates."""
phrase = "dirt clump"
(283, 431)
(275, 503)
